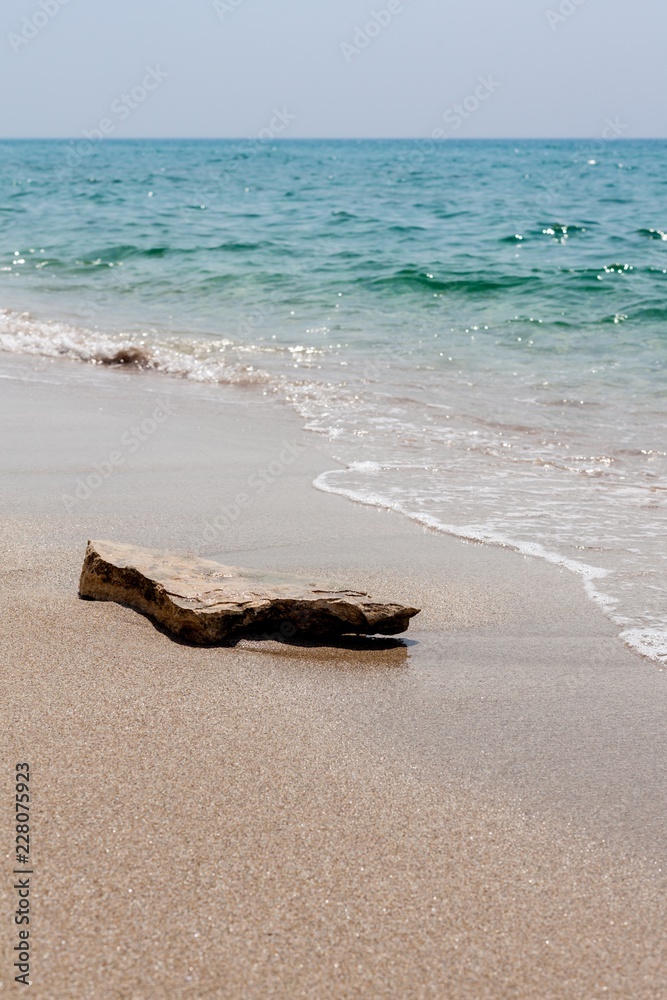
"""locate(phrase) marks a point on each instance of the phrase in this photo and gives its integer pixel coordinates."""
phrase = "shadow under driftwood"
(282, 632)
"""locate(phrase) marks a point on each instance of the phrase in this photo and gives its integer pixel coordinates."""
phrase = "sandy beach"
(475, 812)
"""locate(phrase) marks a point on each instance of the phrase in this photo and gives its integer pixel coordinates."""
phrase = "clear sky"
(222, 68)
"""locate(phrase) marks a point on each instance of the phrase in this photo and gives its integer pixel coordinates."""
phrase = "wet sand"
(475, 812)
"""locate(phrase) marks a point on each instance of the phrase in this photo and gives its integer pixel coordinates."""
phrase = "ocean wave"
(649, 642)
(343, 216)
(561, 230)
(474, 283)
(652, 234)
(650, 312)
(480, 282)
(131, 251)
(201, 360)
(469, 533)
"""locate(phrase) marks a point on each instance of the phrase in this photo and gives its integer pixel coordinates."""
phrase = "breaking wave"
(203, 360)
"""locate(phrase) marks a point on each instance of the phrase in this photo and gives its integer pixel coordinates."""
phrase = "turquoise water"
(479, 328)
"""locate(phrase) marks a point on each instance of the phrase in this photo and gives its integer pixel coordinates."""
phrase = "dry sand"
(478, 813)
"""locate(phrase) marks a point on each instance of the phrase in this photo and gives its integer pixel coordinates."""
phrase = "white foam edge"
(648, 642)
(23, 334)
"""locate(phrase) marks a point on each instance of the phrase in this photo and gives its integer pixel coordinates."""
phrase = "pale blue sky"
(228, 69)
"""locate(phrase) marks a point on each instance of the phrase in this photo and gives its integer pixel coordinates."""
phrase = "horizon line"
(324, 138)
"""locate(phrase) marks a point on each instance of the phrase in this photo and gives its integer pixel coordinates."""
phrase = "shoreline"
(640, 635)
(635, 639)
(502, 768)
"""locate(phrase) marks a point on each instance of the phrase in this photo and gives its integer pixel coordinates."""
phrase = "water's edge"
(648, 643)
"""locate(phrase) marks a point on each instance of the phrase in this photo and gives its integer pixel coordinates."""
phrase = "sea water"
(478, 328)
